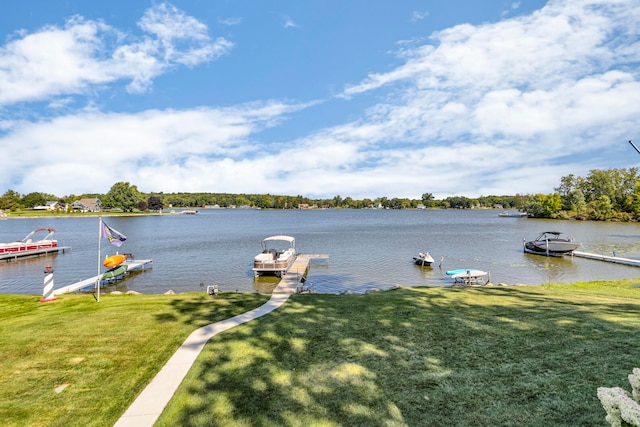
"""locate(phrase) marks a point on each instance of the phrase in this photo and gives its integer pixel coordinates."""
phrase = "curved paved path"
(146, 409)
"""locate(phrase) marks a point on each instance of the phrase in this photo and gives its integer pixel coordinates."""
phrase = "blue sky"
(316, 98)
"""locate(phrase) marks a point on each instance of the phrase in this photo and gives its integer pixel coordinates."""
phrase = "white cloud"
(145, 148)
(51, 62)
(231, 21)
(562, 80)
(288, 22)
(180, 38)
(86, 54)
(417, 15)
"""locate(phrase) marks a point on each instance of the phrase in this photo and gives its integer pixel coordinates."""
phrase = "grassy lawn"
(76, 362)
(519, 356)
(507, 356)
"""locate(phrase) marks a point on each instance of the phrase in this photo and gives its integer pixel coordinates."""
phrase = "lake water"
(367, 249)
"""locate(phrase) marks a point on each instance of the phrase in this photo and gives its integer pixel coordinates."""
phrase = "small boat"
(28, 245)
(114, 260)
(423, 259)
(272, 261)
(468, 276)
(551, 244)
(513, 215)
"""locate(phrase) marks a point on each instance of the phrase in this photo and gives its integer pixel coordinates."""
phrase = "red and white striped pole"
(47, 293)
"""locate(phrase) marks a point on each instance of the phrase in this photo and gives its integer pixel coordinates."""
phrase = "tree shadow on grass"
(468, 356)
(208, 309)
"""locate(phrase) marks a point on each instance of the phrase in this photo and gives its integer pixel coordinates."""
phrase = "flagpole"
(99, 237)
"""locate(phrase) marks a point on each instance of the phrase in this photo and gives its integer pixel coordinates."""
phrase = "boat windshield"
(548, 235)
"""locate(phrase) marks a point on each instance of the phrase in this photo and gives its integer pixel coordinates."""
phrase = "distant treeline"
(612, 194)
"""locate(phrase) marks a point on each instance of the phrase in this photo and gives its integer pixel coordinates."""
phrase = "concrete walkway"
(146, 409)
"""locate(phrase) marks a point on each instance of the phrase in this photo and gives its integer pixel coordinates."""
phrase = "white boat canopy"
(284, 238)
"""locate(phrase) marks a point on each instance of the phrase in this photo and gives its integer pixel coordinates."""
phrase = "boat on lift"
(550, 243)
(468, 276)
(275, 260)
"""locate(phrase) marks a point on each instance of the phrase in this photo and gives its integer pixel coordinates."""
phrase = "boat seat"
(263, 257)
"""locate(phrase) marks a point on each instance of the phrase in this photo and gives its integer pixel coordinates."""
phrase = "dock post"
(47, 293)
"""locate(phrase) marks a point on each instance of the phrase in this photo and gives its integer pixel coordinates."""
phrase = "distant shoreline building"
(87, 205)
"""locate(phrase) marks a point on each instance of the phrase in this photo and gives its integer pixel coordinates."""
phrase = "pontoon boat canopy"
(285, 238)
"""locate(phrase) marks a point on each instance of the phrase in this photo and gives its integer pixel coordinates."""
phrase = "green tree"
(123, 195)
(383, 201)
(625, 189)
(635, 207)
(427, 199)
(575, 201)
(599, 183)
(567, 185)
(32, 200)
(155, 203)
(242, 201)
(602, 208)
(10, 200)
(552, 205)
(459, 202)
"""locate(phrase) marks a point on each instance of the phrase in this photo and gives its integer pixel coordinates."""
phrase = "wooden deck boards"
(292, 281)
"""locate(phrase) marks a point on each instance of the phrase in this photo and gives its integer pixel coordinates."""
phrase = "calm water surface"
(367, 248)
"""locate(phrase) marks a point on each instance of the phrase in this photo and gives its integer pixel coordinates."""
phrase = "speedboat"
(275, 260)
(29, 246)
(551, 244)
(423, 259)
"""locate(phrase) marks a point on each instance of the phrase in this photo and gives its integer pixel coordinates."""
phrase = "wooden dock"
(607, 258)
(293, 281)
(34, 253)
(91, 281)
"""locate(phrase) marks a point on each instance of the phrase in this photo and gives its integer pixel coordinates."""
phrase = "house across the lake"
(87, 205)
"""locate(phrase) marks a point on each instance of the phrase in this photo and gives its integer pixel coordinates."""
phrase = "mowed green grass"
(491, 356)
(78, 362)
(520, 356)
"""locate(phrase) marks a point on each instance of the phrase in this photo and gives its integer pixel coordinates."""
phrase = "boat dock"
(131, 265)
(34, 253)
(607, 258)
(292, 282)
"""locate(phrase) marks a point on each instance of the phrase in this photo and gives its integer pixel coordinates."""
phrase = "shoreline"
(84, 215)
